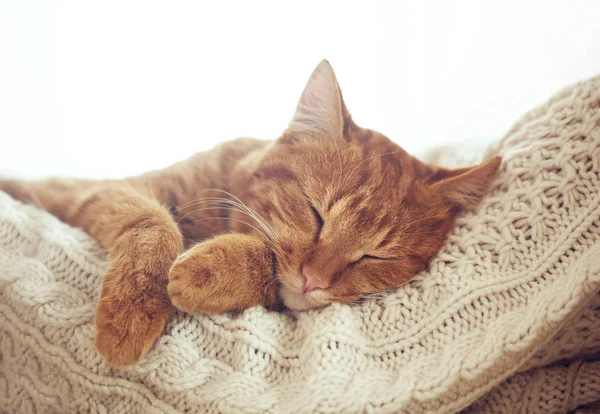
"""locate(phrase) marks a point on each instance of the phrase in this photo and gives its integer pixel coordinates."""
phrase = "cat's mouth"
(291, 291)
(296, 300)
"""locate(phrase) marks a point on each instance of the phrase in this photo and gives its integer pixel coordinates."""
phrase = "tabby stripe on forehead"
(365, 217)
(270, 211)
(385, 241)
(363, 177)
(355, 203)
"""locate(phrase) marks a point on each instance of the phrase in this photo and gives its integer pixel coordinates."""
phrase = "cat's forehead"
(364, 167)
(364, 172)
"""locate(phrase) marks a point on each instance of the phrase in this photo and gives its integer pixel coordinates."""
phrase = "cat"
(328, 212)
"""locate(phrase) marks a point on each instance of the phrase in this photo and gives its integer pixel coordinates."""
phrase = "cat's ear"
(321, 106)
(465, 187)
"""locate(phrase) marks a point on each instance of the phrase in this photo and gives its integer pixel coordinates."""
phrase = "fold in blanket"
(513, 292)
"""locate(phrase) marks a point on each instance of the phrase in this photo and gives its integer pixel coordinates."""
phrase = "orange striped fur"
(329, 212)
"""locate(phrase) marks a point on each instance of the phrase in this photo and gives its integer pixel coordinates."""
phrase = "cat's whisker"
(241, 205)
(276, 250)
(271, 282)
(229, 218)
(204, 200)
(201, 200)
(189, 203)
(221, 207)
(242, 208)
(256, 216)
(225, 205)
(209, 208)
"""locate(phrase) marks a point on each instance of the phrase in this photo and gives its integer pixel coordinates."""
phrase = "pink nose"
(312, 280)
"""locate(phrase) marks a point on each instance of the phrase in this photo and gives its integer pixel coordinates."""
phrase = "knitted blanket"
(504, 320)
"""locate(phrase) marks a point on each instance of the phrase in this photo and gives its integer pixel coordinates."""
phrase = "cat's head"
(351, 212)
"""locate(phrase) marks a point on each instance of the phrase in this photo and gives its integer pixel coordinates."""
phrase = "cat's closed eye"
(319, 220)
(371, 257)
(365, 257)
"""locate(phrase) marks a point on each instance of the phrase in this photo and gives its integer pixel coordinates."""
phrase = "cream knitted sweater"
(514, 289)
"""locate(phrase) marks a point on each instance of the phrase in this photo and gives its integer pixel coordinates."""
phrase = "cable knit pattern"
(514, 289)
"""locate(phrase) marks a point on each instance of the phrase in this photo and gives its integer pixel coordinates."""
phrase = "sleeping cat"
(328, 212)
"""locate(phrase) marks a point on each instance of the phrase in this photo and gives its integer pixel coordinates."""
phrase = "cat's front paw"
(127, 327)
(188, 278)
(229, 272)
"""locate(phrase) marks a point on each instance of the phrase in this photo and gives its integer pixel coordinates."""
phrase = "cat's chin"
(298, 301)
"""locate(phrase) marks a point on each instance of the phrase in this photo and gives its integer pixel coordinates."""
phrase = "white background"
(108, 89)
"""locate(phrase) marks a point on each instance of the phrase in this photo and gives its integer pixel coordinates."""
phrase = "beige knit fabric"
(514, 289)
(559, 388)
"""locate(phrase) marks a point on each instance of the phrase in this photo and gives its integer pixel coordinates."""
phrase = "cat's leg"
(228, 272)
(142, 241)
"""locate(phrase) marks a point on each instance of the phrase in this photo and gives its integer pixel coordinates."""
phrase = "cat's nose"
(313, 280)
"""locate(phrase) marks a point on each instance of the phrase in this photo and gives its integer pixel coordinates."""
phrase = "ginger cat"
(328, 212)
